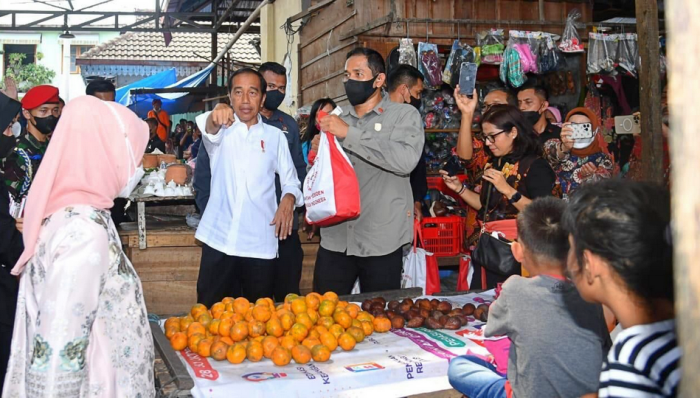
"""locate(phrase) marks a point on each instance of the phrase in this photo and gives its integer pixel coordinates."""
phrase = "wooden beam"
(650, 90)
(684, 95)
(310, 11)
(372, 25)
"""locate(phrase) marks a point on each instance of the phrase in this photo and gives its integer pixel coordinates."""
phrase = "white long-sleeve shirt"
(242, 202)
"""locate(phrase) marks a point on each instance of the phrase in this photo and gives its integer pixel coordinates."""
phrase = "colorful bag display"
(331, 189)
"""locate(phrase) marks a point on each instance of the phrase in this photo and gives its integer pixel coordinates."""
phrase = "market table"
(399, 363)
(141, 200)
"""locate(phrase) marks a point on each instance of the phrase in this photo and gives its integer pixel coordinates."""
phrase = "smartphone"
(467, 78)
(581, 131)
(452, 166)
(627, 125)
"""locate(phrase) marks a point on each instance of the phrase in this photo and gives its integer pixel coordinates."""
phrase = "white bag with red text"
(331, 189)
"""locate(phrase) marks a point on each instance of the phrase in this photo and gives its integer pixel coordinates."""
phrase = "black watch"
(515, 198)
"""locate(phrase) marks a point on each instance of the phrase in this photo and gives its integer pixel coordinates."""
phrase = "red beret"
(40, 95)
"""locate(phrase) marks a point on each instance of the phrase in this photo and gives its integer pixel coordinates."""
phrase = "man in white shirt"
(242, 223)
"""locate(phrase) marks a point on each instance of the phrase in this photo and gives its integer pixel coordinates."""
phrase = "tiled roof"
(148, 46)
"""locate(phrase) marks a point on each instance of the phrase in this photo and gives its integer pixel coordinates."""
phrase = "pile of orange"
(303, 328)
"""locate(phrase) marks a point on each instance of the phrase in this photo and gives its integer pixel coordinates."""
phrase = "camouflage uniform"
(22, 164)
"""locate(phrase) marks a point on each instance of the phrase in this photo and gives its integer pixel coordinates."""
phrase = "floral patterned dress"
(568, 169)
(81, 328)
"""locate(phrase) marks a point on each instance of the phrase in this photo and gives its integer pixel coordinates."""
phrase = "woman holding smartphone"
(582, 156)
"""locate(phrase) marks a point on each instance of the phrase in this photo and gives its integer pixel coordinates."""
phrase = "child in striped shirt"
(621, 257)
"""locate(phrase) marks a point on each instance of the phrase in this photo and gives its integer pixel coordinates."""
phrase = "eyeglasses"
(490, 138)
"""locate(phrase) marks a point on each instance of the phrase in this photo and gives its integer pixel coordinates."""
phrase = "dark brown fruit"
(484, 307)
(380, 314)
(445, 307)
(411, 314)
(397, 322)
(468, 309)
(453, 323)
(456, 312)
(415, 322)
(432, 323)
(425, 304)
(464, 319)
(484, 316)
(377, 306)
(435, 314)
(367, 305)
(408, 301)
(434, 304)
(478, 313)
(393, 305)
(443, 320)
(425, 313)
(380, 300)
(404, 308)
(391, 314)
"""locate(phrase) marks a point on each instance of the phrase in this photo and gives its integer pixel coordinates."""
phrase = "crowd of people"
(597, 249)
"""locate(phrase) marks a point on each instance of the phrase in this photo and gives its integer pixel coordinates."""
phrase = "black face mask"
(6, 145)
(415, 102)
(532, 116)
(358, 92)
(273, 100)
(45, 125)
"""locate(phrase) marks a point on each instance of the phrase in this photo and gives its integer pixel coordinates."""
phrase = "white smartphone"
(627, 125)
(581, 131)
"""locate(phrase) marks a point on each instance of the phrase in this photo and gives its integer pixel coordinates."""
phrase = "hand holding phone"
(467, 78)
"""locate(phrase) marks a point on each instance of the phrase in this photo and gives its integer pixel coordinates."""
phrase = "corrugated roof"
(150, 46)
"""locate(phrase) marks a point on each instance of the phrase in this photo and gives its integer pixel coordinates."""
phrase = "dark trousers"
(337, 272)
(221, 275)
(287, 271)
(5, 344)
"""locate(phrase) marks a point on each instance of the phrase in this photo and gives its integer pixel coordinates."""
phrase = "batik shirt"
(81, 328)
(22, 165)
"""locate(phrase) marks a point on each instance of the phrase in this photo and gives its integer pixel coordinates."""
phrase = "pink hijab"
(86, 163)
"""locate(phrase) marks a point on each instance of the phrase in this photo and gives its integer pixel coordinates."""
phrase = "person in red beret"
(40, 106)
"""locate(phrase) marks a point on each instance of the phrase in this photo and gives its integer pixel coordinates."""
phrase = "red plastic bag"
(331, 189)
(420, 268)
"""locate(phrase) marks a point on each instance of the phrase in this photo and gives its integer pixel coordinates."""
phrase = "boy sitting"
(558, 340)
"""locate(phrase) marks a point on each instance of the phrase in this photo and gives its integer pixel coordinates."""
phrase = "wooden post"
(214, 82)
(650, 90)
(684, 95)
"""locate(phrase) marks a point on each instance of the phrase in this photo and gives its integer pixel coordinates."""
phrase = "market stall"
(400, 363)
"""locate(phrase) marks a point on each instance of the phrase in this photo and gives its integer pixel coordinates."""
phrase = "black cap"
(9, 108)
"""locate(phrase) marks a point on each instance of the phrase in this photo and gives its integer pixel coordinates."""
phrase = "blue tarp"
(173, 103)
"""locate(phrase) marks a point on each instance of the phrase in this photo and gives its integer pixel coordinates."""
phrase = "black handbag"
(494, 254)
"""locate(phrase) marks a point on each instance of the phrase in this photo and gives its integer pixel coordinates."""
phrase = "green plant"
(29, 75)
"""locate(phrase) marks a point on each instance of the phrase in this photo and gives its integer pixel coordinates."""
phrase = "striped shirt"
(643, 362)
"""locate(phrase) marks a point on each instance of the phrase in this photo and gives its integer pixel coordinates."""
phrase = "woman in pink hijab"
(81, 327)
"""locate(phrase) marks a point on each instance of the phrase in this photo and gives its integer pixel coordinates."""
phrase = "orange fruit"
(227, 340)
(320, 353)
(298, 306)
(218, 350)
(336, 330)
(353, 310)
(313, 315)
(196, 327)
(217, 309)
(312, 302)
(346, 342)
(314, 334)
(281, 356)
(185, 323)
(254, 352)
(205, 319)
(256, 328)
(326, 308)
(178, 341)
(214, 326)
(331, 297)
(239, 331)
(197, 310)
(172, 321)
(274, 328)
(356, 323)
(342, 305)
(381, 325)
(367, 328)
(364, 316)
(171, 330)
(241, 305)
(287, 320)
(305, 320)
(194, 340)
(262, 313)
(301, 354)
(357, 333)
(329, 341)
(258, 339)
(225, 327)
(227, 300)
(269, 343)
(290, 297)
(310, 342)
(236, 353)
(299, 332)
(288, 342)
(227, 314)
(321, 329)
(204, 348)
(326, 322)
(343, 319)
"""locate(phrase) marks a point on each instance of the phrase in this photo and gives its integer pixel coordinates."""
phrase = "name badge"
(377, 127)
